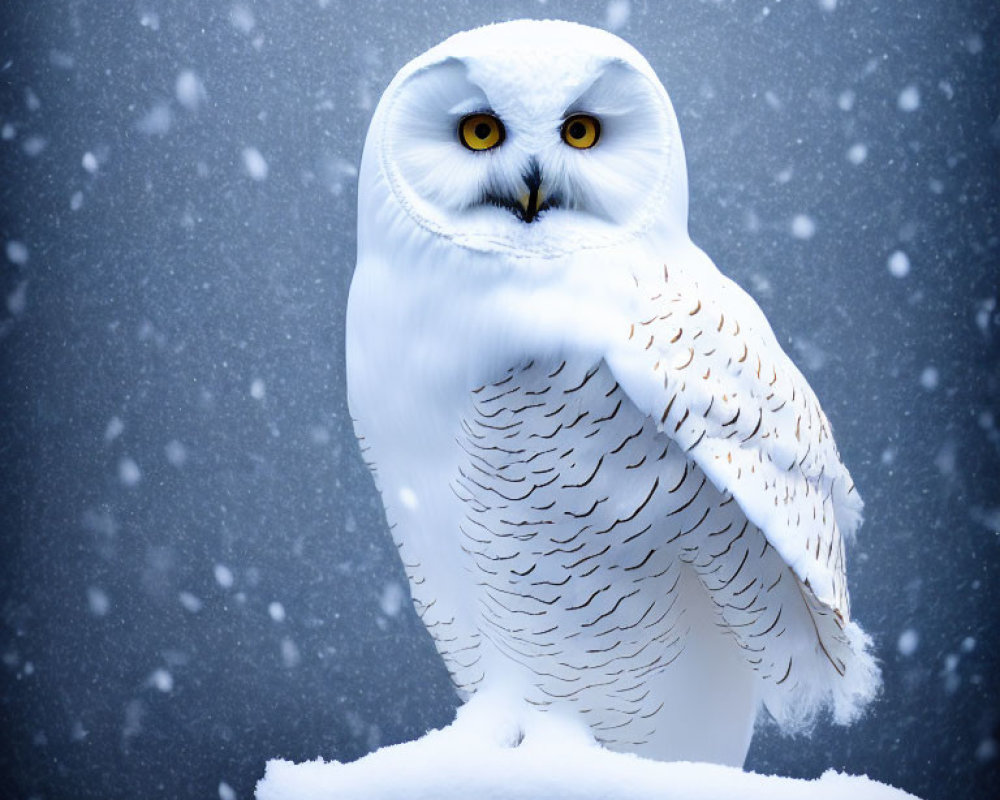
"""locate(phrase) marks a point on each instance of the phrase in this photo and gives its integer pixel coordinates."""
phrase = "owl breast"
(590, 537)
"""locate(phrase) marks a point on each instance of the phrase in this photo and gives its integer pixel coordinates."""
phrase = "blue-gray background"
(195, 575)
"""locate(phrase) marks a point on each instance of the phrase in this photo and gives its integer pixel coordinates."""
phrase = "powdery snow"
(254, 163)
(909, 99)
(908, 642)
(899, 264)
(462, 761)
(17, 252)
(803, 227)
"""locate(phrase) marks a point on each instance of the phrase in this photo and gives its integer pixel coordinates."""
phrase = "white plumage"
(617, 500)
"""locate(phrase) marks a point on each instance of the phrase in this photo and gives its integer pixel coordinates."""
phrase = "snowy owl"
(618, 502)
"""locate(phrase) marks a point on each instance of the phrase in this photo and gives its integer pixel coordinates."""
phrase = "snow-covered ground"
(486, 754)
(445, 765)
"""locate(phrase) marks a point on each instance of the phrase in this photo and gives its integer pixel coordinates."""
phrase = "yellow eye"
(481, 131)
(581, 131)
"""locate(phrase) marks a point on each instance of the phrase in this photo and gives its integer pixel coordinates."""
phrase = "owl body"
(615, 498)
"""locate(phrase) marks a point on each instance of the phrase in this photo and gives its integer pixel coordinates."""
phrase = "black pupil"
(483, 130)
(577, 130)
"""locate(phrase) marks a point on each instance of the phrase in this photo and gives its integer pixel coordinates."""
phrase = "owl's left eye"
(581, 131)
(481, 131)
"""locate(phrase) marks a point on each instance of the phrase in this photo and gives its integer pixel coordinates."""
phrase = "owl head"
(528, 137)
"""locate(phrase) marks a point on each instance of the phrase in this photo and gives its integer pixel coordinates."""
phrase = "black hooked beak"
(529, 205)
(531, 202)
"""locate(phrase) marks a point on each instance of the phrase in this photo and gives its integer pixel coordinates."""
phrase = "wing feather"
(701, 359)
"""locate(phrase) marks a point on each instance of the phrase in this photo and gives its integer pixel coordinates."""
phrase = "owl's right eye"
(481, 131)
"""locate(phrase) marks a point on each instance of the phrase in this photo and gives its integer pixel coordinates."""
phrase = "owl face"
(532, 136)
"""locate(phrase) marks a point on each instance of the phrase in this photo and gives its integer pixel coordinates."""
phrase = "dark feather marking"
(586, 482)
(609, 416)
(627, 439)
(769, 627)
(588, 512)
(642, 563)
(587, 558)
(583, 383)
(637, 534)
(689, 502)
(613, 609)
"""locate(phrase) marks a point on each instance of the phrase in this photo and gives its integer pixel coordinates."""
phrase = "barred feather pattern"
(582, 525)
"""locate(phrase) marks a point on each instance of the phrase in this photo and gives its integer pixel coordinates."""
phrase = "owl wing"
(702, 361)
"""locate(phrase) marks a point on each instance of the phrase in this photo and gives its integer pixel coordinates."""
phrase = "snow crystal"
(156, 121)
(803, 227)
(319, 435)
(161, 679)
(176, 453)
(254, 163)
(930, 378)
(223, 576)
(128, 472)
(616, 14)
(908, 642)
(150, 19)
(858, 153)
(31, 100)
(984, 314)
(257, 389)
(17, 300)
(408, 498)
(57, 58)
(785, 175)
(899, 264)
(812, 356)
(290, 655)
(17, 252)
(888, 456)
(947, 89)
(952, 680)
(77, 732)
(968, 644)
(190, 90)
(845, 101)
(337, 173)
(114, 429)
(89, 162)
(242, 18)
(276, 611)
(974, 44)
(987, 750)
(34, 145)
(946, 459)
(226, 792)
(828, 5)
(76, 201)
(98, 601)
(391, 601)
(8, 132)
(190, 602)
(909, 99)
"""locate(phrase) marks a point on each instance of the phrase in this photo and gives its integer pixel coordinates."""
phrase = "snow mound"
(450, 763)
